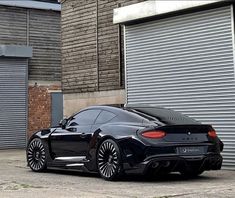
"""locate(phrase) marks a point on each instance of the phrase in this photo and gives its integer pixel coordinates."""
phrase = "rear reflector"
(212, 134)
(154, 134)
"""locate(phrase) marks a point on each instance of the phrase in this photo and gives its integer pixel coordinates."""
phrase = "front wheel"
(109, 160)
(36, 155)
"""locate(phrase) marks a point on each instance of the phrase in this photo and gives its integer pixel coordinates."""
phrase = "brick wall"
(90, 52)
(39, 107)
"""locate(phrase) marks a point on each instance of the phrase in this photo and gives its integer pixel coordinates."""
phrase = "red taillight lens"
(212, 134)
(154, 134)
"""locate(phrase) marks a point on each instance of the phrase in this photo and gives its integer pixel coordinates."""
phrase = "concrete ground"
(17, 180)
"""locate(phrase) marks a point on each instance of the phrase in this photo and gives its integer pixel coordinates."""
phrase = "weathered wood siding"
(13, 26)
(108, 47)
(39, 29)
(79, 72)
(44, 37)
(86, 66)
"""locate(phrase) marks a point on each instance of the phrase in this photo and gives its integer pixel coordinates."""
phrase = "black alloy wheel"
(109, 160)
(36, 155)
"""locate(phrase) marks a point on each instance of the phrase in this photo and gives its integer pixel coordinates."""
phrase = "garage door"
(186, 63)
(13, 89)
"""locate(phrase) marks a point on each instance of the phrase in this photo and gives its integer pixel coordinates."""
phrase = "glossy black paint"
(77, 143)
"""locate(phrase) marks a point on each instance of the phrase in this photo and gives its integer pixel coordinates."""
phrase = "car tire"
(36, 155)
(109, 160)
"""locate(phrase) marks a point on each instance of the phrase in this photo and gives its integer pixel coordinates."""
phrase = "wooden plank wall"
(43, 34)
(13, 26)
(109, 68)
(86, 66)
(79, 71)
(44, 37)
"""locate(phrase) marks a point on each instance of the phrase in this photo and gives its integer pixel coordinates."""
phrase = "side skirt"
(77, 163)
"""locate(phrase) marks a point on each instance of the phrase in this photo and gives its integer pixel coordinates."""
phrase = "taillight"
(154, 134)
(212, 134)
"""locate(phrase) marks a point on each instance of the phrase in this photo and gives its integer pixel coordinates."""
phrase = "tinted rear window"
(165, 116)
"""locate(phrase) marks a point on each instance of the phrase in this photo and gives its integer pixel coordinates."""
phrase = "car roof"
(118, 107)
(114, 109)
(166, 115)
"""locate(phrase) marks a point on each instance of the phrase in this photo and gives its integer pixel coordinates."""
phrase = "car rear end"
(189, 147)
(181, 147)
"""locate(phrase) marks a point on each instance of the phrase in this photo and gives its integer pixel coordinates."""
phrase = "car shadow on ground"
(172, 177)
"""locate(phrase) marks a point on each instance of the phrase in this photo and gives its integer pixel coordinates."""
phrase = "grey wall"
(56, 108)
(39, 29)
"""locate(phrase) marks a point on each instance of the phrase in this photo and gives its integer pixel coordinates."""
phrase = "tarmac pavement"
(17, 180)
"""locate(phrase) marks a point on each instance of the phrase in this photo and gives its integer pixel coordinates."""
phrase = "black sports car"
(132, 139)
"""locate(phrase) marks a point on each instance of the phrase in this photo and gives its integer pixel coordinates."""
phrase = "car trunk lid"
(186, 133)
(181, 133)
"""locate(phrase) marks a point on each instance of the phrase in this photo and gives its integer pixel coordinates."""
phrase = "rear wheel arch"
(118, 170)
(101, 140)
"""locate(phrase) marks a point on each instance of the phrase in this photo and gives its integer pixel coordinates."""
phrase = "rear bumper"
(176, 163)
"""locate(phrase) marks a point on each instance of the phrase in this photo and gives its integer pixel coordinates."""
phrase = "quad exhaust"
(164, 164)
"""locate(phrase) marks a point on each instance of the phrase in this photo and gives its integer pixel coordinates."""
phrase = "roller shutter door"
(13, 91)
(186, 63)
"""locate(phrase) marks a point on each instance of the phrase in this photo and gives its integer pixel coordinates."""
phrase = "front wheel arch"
(36, 155)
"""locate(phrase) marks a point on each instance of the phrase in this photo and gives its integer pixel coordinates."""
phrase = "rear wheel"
(36, 155)
(109, 160)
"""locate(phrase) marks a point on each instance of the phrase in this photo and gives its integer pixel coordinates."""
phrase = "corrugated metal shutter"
(13, 100)
(186, 63)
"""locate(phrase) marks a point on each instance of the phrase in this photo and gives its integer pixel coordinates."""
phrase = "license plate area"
(191, 150)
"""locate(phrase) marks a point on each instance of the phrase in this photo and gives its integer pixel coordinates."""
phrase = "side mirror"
(63, 123)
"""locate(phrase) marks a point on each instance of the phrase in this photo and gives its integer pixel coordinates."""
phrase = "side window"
(86, 117)
(104, 117)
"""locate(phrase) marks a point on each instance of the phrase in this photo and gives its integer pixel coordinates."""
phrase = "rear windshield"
(162, 116)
